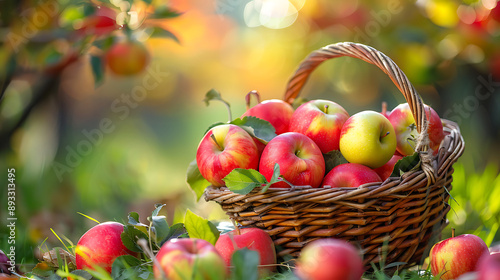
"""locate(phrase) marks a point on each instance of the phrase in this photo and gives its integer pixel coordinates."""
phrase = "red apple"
(385, 170)
(301, 161)
(403, 122)
(350, 175)
(189, 258)
(320, 120)
(127, 58)
(100, 246)
(224, 148)
(103, 22)
(275, 111)
(488, 267)
(455, 256)
(368, 138)
(327, 259)
(252, 238)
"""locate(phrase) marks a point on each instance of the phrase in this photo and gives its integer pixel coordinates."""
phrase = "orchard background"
(86, 139)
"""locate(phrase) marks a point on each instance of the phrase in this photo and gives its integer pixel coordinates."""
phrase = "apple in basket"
(403, 122)
(350, 175)
(385, 170)
(488, 267)
(189, 258)
(457, 255)
(300, 159)
(254, 239)
(368, 138)
(276, 112)
(326, 259)
(100, 246)
(320, 120)
(224, 148)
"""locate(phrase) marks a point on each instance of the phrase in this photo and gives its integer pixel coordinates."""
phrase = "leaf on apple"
(332, 159)
(198, 227)
(245, 264)
(406, 164)
(129, 267)
(195, 180)
(258, 128)
(243, 181)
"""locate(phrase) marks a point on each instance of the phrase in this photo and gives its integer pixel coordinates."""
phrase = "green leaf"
(198, 227)
(158, 207)
(215, 95)
(195, 180)
(133, 219)
(332, 159)
(159, 32)
(128, 267)
(259, 128)
(407, 163)
(97, 69)
(245, 264)
(275, 178)
(129, 237)
(243, 181)
(160, 227)
(80, 273)
(163, 12)
(176, 231)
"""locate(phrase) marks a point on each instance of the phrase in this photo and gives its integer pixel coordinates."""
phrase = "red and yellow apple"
(350, 175)
(251, 238)
(189, 258)
(457, 255)
(385, 170)
(277, 112)
(327, 259)
(488, 267)
(403, 122)
(320, 120)
(224, 148)
(300, 159)
(127, 58)
(368, 138)
(100, 246)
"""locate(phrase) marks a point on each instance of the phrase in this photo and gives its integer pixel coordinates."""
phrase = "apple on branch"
(320, 120)
(350, 175)
(368, 138)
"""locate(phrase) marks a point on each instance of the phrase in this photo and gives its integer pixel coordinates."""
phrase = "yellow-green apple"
(488, 267)
(403, 122)
(254, 239)
(100, 246)
(276, 112)
(189, 258)
(224, 148)
(385, 170)
(327, 259)
(350, 175)
(368, 138)
(300, 159)
(320, 120)
(457, 255)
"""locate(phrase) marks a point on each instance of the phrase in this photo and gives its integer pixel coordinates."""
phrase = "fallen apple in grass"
(100, 246)
(224, 148)
(327, 259)
(252, 238)
(189, 258)
(350, 175)
(299, 158)
(320, 120)
(455, 256)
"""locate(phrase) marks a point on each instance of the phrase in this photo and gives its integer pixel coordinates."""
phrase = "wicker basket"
(405, 213)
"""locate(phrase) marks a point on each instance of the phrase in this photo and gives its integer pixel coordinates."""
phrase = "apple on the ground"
(189, 258)
(224, 148)
(350, 175)
(320, 120)
(488, 267)
(254, 239)
(385, 170)
(403, 122)
(301, 161)
(457, 255)
(326, 259)
(276, 112)
(368, 138)
(100, 246)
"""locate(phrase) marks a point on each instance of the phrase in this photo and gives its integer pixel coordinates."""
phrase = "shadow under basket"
(400, 218)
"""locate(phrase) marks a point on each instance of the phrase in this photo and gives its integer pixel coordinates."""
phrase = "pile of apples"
(371, 143)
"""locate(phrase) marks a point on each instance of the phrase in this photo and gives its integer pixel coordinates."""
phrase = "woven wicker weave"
(406, 212)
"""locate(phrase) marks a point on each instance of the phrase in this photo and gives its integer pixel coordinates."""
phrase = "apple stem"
(388, 132)
(215, 141)
(249, 95)
(236, 227)
(384, 107)
(452, 232)
(326, 109)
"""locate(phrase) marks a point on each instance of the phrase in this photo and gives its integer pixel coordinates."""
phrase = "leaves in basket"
(198, 227)
(408, 163)
(245, 264)
(195, 181)
(332, 159)
(243, 181)
(258, 128)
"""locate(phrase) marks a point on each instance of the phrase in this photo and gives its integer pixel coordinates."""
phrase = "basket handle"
(390, 68)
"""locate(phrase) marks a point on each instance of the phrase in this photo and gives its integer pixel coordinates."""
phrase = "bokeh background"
(67, 164)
